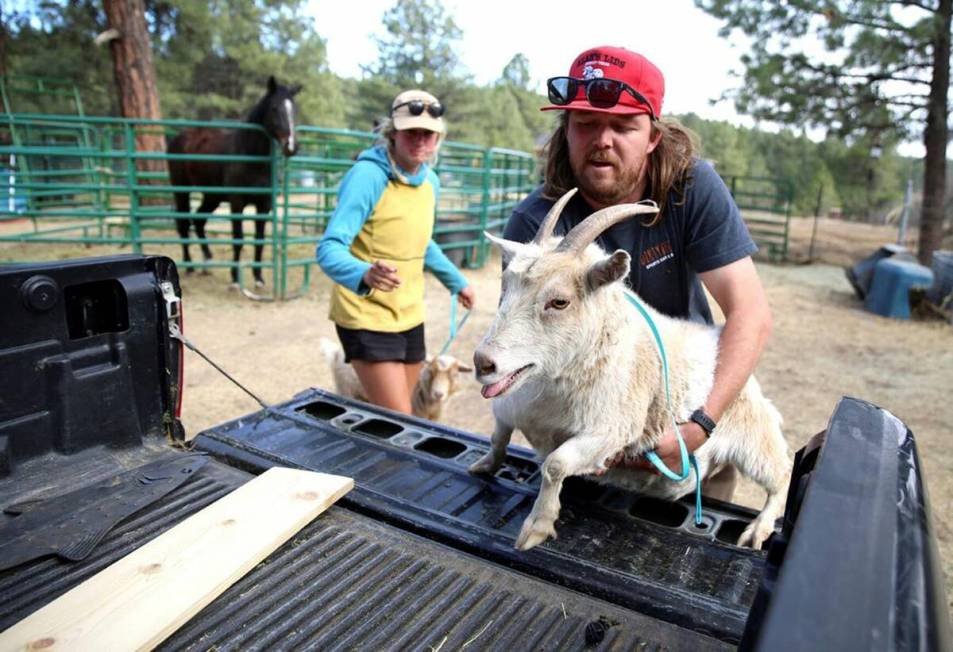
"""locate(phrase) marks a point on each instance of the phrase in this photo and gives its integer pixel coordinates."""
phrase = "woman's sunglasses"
(416, 107)
(600, 92)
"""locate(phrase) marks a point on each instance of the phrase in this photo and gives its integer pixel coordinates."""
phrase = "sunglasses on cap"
(416, 107)
(601, 93)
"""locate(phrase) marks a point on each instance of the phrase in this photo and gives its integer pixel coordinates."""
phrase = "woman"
(378, 244)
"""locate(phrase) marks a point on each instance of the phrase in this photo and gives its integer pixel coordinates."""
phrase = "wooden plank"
(141, 599)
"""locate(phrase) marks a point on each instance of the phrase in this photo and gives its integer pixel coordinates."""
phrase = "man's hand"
(382, 276)
(667, 449)
(467, 297)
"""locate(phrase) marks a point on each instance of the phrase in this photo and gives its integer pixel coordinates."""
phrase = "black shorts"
(376, 346)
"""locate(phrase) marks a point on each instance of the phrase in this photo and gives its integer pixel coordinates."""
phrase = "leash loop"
(454, 326)
(689, 462)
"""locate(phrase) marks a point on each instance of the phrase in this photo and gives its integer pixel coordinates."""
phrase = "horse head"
(279, 114)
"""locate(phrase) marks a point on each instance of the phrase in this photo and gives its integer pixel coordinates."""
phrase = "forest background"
(212, 59)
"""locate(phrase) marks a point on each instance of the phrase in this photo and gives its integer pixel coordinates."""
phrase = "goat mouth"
(499, 387)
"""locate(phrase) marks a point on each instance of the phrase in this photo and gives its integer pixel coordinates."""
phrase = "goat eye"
(558, 304)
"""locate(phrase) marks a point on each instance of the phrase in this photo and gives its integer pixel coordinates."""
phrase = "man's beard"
(606, 192)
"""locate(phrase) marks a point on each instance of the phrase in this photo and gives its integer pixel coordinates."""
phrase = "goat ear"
(464, 369)
(296, 89)
(608, 270)
(272, 84)
(508, 248)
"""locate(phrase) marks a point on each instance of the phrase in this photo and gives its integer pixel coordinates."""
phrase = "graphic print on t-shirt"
(656, 254)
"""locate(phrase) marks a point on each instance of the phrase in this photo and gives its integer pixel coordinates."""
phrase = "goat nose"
(483, 363)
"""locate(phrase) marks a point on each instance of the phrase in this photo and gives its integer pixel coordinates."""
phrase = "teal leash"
(688, 461)
(454, 326)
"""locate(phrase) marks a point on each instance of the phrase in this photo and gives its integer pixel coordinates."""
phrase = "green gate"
(765, 205)
(47, 95)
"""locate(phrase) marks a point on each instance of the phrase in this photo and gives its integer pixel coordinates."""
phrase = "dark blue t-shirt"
(701, 233)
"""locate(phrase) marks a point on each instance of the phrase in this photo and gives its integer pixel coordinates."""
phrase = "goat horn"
(592, 227)
(549, 222)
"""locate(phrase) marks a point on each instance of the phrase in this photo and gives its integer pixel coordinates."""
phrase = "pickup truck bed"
(419, 555)
(344, 581)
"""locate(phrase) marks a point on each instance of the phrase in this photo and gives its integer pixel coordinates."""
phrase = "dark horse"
(275, 112)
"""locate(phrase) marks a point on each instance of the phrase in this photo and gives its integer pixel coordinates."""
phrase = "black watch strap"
(706, 422)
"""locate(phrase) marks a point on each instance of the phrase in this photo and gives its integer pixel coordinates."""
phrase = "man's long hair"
(669, 164)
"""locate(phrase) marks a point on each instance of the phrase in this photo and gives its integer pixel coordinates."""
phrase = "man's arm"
(739, 293)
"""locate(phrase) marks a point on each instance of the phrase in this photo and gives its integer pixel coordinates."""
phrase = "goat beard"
(606, 192)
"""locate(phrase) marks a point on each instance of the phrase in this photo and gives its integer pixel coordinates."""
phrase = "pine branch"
(914, 3)
(836, 74)
(889, 26)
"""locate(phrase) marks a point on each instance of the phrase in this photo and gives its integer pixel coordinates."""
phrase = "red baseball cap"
(622, 65)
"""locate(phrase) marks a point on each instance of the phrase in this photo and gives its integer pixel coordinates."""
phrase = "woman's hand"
(382, 276)
(467, 297)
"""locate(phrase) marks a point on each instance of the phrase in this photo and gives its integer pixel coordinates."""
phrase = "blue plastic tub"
(889, 293)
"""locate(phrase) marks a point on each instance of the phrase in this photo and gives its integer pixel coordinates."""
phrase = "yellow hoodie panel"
(397, 232)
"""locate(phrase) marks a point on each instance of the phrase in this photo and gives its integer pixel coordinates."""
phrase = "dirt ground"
(824, 346)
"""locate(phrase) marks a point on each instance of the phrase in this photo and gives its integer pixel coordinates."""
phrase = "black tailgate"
(638, 553)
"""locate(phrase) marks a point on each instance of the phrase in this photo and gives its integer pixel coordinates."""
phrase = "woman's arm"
(359, 192)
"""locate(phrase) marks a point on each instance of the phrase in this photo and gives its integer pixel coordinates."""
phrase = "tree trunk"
(136, 81)
(935, 137)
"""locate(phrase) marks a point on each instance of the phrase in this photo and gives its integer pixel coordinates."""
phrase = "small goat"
(435, 385)
(575, 368)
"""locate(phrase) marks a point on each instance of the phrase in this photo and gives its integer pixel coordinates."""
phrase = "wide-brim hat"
(622, 65)
(404, 119)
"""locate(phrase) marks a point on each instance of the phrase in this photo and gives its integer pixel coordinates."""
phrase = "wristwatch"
(706, 422)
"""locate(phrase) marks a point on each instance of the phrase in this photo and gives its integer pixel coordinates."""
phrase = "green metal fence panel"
(92, 190)
(765, 205)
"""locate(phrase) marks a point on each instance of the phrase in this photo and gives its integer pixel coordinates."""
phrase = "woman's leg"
(415, 356)
(385, 383)
(412, 373)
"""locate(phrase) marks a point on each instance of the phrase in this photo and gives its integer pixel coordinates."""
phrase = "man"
(613, 144)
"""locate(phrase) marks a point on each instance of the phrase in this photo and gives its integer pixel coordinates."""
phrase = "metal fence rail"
(80, 179)
(765, 205)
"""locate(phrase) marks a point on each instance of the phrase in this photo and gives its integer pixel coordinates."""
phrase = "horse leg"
(209, 204)
(259, 247)
(182, 225)
(237, 235)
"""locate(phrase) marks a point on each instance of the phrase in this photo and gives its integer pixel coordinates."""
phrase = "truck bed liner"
(635, 552)
(342, 582)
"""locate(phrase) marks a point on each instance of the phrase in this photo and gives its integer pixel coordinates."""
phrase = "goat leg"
(762, 458)
(580, 455)
(492, 461)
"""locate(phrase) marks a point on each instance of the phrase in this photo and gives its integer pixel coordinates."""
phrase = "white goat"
(435, 385)
(576, 369)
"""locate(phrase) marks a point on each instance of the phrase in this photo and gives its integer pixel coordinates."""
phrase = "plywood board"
(145, 596)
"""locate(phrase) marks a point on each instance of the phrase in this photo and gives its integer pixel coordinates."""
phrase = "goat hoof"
(189, 271)
(233, 285)
(533, 533)
(755, 535)
(486, 464)
(259, 283)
